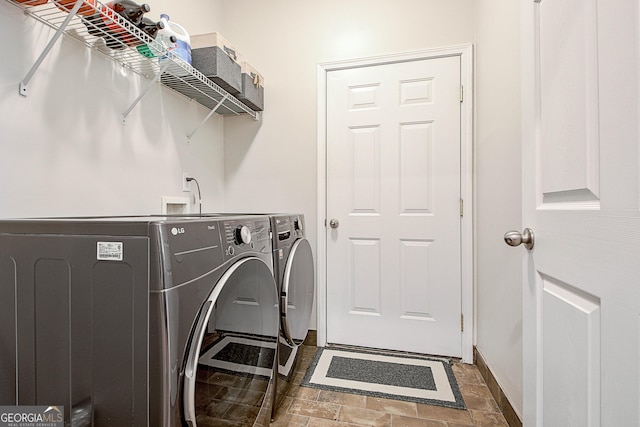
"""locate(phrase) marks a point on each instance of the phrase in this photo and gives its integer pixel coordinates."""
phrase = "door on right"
(581, 198)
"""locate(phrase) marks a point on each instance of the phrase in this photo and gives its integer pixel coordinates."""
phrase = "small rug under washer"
(400, 377)
(240, 355)
(246, 355)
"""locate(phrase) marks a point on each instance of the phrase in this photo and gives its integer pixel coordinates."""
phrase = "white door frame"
(465, 52)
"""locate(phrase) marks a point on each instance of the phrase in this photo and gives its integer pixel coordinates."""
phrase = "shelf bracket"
(23, 90)
(213, 110)
(146, 90)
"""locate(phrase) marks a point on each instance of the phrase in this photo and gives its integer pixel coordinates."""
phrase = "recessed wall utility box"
(175, 205)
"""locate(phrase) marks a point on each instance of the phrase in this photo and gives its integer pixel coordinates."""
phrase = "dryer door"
(296, 298)
(227, 370)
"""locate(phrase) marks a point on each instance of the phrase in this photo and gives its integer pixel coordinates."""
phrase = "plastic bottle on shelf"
(151, 29)
(94, 25)
(180, 48)
(106, 24)
(153, 51)
(131, 10)
(134, 13)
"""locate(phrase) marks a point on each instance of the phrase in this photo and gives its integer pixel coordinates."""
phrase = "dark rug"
(248, 355)
(391, 376)
(240, 355)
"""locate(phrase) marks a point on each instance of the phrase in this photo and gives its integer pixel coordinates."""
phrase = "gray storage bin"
(252, 94)
(214, 63)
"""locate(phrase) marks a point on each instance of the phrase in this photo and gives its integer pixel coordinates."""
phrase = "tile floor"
(308, 407)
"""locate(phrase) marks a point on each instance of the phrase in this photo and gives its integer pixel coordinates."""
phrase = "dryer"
(145, 321)
(294, 273)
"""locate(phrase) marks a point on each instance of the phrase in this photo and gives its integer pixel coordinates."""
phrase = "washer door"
(227, 369)
(296, 298)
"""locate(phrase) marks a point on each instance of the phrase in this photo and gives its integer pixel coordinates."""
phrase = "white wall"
(498, 193)
(64, 148)
(197, 16)
(286, 40)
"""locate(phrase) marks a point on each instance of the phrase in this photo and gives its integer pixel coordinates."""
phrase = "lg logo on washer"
(175, 231)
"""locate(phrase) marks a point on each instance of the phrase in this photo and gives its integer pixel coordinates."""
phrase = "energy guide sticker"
(110, 251)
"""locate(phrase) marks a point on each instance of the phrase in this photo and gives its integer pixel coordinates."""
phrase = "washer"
(294, 273)
(145, 321)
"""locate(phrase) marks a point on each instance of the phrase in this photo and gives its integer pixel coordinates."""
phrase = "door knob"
(334, 223)
(514, 238)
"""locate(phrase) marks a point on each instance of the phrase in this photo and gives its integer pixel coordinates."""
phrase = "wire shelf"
(102, 29)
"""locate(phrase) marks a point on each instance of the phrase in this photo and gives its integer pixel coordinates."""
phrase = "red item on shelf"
(31, 2)
(85, 10)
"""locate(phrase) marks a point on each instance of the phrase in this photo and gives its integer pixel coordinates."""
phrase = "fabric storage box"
(214, 57)
(252, 94)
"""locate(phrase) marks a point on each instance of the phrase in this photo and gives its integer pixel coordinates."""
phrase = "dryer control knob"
(243, 235)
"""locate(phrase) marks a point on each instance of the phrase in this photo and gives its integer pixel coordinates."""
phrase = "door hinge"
(461, 207)
(461, 93)
(461, 322)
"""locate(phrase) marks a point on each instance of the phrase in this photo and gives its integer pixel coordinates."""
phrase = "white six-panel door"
(581, 189)
(393, 186)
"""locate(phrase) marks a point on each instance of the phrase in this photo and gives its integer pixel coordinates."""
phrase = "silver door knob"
(334, 223)
(514, 238)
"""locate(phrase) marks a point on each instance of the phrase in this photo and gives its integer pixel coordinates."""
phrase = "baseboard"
(497, 392)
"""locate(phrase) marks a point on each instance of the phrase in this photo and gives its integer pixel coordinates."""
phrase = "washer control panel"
(246, 234)
(242, 235)
(298, 225)
(288, 229)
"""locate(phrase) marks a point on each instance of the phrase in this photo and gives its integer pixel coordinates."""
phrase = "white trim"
(321, 221)
(466, 180)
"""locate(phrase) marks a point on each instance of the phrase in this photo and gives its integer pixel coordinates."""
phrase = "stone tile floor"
(308, 407)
